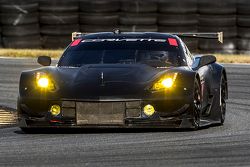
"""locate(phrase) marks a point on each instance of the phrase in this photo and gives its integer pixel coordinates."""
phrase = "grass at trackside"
(34, 53)
(223, 58)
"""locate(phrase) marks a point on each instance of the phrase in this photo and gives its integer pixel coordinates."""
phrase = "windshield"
(155, 54)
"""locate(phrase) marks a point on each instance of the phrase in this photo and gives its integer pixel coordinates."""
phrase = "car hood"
(92, 81)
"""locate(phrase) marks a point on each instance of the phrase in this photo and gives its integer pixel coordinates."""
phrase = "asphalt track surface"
(227, 145)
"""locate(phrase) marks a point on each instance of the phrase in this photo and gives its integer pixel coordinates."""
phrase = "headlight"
(43, 81)
(166, 82)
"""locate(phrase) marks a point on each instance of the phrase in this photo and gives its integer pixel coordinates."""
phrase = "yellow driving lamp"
(166, 82)
(43, 81)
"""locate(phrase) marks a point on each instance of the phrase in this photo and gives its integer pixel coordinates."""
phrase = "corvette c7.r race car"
(125, 80)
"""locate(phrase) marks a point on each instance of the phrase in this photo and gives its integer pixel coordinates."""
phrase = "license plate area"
(100, 113)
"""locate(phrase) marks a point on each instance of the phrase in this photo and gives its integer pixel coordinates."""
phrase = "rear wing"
(217, 35)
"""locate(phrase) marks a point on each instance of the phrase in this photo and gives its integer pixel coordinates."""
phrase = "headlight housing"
(166, 82)
(43, 81)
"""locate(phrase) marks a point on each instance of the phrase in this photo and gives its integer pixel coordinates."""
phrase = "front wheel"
(223, 92)
(196, 105)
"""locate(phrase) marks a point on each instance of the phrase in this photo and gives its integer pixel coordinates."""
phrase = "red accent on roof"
(172, 41)
(76, 42)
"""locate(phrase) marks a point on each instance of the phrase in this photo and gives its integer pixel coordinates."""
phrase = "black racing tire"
(243, 20)
(217, 20)
(243, 7)
(22, 30)
(59, 29)
(23, 42)
(244, 32)
(175, 29)
(212, 46)
(178, 6)
(177, 20)
(139, 6)
(97, 28)
(59, 18)
(26, 8)
(196, 105)
(18, 2)
(220, 7)
(243, 44)
(99, 6)
(99, 19)
(228, 32)
(18, 18)
(223, 97)
(54, 6)
(138, 19)
(139, 28)
(55, 42)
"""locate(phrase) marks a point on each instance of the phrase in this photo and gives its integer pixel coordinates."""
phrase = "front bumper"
(106, 114)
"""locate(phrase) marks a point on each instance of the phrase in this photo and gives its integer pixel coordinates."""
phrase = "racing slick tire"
(219, 7)
(174, 29)
(27, 8)
(223, 93)
(196, 105)
(21, 30)
(217, 20)
(55, 6)
(243, 44)
(99, 19)
(59, 18)
(18, 2)
(139, 28)
(59, 30)
(97, 28)
(243, 20)
(99, 6)
(23, 42)
(18, 18)
(138, 19)
(177, 20)
(244, 32)
(178, 6)
(139, 6)
(243, 7)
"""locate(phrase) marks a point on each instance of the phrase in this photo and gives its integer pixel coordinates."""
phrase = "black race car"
(124, 80)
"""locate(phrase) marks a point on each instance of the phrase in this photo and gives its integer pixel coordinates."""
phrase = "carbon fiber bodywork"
(114, 95)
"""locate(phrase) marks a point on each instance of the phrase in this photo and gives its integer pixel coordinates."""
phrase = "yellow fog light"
(149, 110)
(43, 82)
(55, 110)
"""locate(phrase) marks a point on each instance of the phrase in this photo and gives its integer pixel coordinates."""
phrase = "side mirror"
(202, 60)
(44, 60)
